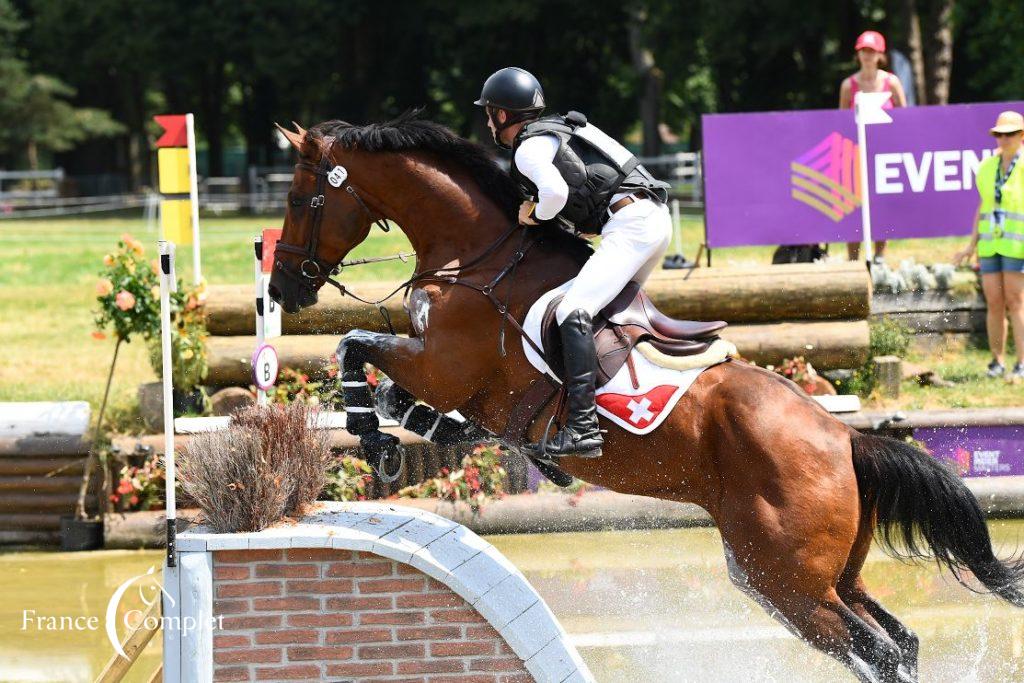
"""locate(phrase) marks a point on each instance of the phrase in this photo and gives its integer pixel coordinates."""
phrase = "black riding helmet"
(515, 90)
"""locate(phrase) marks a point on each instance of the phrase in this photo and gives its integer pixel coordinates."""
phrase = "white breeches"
(633, 244)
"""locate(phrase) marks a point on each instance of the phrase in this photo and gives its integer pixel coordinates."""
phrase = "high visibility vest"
(1001, 228)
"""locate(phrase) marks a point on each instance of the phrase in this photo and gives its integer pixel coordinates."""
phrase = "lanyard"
(1001, 179)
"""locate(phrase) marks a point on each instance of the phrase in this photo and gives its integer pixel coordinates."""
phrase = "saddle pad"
(639, 410)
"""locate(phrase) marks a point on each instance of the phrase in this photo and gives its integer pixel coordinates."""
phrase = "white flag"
(867, 107)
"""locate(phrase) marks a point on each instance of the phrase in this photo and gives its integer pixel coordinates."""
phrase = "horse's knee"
(353, 348)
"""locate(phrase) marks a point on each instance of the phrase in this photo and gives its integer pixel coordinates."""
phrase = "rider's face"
(496, 117)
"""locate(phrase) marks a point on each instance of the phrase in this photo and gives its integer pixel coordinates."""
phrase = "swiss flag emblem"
(638, 411)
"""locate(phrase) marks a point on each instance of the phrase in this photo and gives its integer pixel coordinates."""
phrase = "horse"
(796, 494)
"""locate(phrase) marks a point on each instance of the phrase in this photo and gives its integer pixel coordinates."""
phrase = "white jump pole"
(168, 285)
(193, 177)
(677, 228)
(261, 395)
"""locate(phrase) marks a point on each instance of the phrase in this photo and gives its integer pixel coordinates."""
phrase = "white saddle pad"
(638, 409)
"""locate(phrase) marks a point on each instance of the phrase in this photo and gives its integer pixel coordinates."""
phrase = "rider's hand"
(525, 214)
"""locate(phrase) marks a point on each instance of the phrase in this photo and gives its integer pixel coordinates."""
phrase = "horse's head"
(320, 196)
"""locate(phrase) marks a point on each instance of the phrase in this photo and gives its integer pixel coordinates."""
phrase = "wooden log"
(23, 521)
(40, 465)
(43, 445)
(827, 345)
(26, 502)
(761, 294)
(58, 484)
(889, 371)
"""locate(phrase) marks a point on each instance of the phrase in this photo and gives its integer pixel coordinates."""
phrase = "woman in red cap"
(872, 77)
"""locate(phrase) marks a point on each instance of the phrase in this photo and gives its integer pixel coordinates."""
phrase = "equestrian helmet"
(512, 89)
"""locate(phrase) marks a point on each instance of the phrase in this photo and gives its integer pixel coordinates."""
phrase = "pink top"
(885, 88)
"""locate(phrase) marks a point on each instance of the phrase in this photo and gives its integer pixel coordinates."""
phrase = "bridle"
(313, 272)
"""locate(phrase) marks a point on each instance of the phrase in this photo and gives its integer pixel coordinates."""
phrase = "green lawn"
(48, 270)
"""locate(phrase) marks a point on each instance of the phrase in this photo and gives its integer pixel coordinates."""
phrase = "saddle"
(631, 318)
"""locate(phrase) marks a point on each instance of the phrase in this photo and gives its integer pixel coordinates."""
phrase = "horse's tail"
(922, 506)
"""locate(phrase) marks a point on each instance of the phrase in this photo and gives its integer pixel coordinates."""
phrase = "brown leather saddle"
(629, 319)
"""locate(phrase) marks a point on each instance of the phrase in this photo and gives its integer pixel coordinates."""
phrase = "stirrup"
(541, 449)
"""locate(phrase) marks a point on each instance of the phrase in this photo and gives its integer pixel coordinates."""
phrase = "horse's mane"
(408, 133)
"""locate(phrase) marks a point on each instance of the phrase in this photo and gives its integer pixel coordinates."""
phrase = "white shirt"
(534, 158)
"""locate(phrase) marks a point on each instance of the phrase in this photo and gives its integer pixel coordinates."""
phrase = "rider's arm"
(534, 159)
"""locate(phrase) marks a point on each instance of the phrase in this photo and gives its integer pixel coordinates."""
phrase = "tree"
(34, 112)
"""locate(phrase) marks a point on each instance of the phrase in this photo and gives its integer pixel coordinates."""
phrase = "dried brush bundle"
(267, 464)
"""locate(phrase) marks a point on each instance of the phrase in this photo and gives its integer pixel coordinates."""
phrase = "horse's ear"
(294, 138)
(301, 131)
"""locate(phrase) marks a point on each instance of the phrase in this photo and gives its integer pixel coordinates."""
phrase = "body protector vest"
(1001, 224)
(594, 166)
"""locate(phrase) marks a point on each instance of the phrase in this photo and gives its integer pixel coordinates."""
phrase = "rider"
(572, 173)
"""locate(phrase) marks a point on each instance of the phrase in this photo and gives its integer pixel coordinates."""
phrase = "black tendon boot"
(580, 436)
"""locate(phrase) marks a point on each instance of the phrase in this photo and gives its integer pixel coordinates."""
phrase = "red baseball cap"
(872, 39)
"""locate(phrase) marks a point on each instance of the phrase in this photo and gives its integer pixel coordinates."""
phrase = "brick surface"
(292, 672)
(462, 649)
(390, 585)
(363, 635)
(248, 622)
(432, 666)
(287, 636)
(296, 604)
(402, 618)
(287, 571)
(246, 655)
(231, 573)
(339, 615)
(246, 556)
(372, 569)
(231, 673)
(320, 619)
(322, 586)
(392, 652)
(248, 589)
(302, 653)
(361, 669)
(231, 641)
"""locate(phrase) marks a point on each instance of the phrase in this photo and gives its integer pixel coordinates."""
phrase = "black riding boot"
(580, 436)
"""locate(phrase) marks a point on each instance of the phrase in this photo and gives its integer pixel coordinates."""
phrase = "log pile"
(819, 311)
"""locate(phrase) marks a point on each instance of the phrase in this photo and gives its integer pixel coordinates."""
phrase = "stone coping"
(444, 550)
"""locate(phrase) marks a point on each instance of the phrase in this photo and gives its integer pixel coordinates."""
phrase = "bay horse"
(796, 494)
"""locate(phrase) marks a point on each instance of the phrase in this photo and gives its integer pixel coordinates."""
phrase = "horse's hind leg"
(856, 596)
(823, 621)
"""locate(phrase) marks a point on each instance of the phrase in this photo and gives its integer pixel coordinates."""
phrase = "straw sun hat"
(1008, 122)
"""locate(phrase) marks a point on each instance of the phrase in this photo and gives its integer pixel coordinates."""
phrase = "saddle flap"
(621, 325)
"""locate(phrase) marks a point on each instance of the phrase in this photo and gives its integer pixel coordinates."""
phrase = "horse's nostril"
(274, 293)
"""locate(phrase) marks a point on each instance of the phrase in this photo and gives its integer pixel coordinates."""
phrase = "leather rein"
(314, 272)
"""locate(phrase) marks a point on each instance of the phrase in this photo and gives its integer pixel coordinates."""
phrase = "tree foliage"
(242, 65)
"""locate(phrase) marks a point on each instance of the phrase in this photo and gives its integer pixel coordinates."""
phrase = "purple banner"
(792, 177)
(977, 451)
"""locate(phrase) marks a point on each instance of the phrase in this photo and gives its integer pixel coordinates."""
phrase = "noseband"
(313, 269)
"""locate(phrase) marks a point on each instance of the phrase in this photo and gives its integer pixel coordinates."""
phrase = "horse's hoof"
(384, 453)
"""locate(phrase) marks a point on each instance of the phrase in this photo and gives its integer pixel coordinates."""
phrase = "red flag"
(175, 134)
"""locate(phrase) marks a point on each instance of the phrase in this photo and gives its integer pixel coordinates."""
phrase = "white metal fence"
(36, 194)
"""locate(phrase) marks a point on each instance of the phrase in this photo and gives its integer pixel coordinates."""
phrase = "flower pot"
(151, 403)
(80, 534)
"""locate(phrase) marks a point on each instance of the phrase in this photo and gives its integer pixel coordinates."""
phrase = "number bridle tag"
(337, 176)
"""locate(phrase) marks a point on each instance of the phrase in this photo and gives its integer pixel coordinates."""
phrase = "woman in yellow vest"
(999, 240)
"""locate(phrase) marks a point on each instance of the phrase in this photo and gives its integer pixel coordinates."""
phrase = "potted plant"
(127, 295)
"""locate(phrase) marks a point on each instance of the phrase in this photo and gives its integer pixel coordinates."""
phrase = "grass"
(48, 270)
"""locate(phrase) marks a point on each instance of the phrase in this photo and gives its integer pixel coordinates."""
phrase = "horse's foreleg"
(402, 359)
